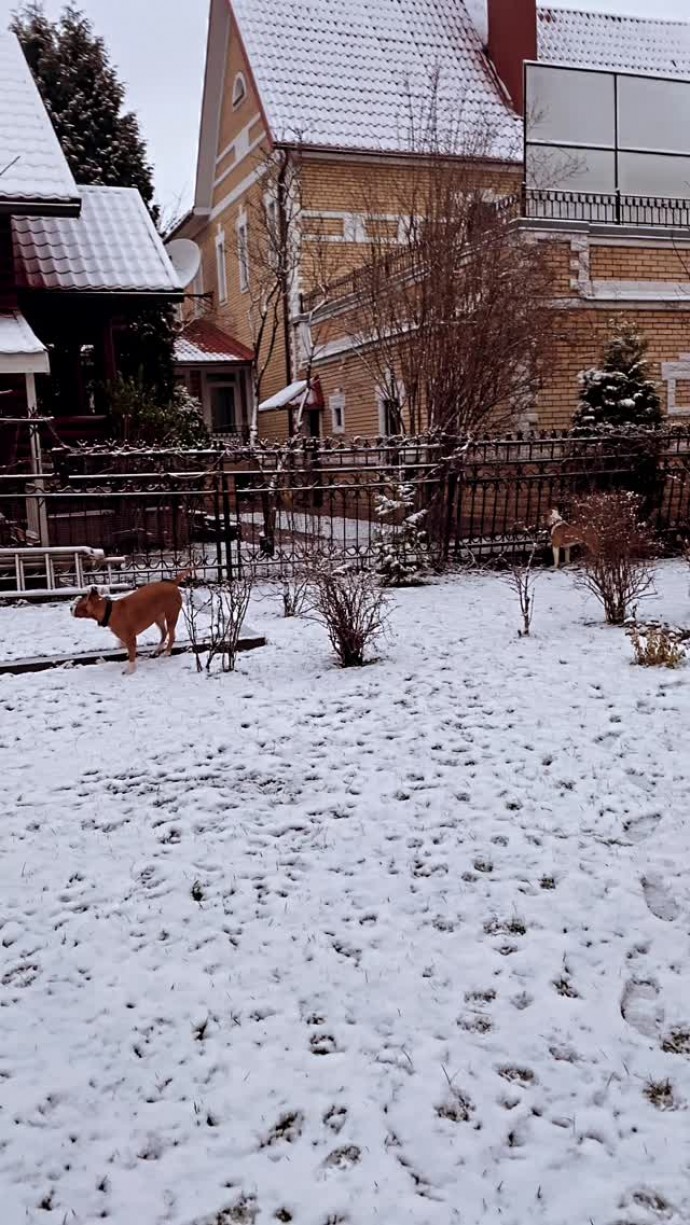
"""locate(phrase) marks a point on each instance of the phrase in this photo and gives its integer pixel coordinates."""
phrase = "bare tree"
(270, 238)
(451, 312)
(268, 254)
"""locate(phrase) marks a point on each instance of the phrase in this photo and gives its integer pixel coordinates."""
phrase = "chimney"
(512, 40)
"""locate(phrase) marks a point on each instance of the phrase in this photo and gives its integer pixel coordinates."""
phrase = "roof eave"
(399, 154)
(36, 207)
(166, 295)
(205, 362)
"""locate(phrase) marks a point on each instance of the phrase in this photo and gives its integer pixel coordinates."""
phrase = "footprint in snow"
(638, 828)
(658, 898)
(642, 1008)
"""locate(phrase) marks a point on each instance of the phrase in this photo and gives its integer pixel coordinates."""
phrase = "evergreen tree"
(103, 145)
(620, 395)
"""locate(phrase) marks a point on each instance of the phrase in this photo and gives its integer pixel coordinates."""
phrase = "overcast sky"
(159, 46)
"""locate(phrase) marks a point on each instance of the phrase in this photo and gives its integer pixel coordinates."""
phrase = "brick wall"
(617, 263)
(581, 345)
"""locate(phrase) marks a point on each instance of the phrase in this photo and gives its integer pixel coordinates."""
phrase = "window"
(390, 400)
(336, 403)
(239, 90)
(389, 417)
(223, 410)
(221, 269)
(243, 251)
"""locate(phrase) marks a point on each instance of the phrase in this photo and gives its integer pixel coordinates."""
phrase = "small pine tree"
(620, 395)
(400, 543)
(103, 146)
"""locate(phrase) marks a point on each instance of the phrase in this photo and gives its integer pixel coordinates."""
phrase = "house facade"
(334, 109)
(76, 264)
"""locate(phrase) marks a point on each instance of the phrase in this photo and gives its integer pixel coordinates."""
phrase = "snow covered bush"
(351, 606)
(655, 646)
(400, 543)
(620, 394)
(616, 566)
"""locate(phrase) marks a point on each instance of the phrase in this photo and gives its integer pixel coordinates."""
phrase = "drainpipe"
(285, 288)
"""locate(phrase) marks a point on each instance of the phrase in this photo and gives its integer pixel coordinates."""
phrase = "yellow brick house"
(332, 90)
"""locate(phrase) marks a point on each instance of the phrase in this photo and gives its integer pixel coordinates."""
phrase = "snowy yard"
(402, 945)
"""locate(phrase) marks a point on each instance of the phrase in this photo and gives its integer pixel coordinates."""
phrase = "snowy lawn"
(408, 944)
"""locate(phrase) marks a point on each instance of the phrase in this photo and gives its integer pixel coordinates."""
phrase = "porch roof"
(21, 352)
(202, 344)
(292, 395)
(113, 247)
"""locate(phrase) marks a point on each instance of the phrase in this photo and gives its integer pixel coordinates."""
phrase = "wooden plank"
(18, 667)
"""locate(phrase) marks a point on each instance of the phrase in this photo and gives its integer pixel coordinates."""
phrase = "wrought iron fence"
(265, 510)
(608, 208)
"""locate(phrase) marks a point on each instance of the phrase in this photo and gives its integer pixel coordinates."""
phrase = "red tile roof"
(203, 342)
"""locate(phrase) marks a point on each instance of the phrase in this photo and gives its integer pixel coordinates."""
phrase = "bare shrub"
(656, 646)
(195, 611)
(522, 578)
(352, 608)
(214, 617)
(294, 593)
(617, 566)
(295, 584)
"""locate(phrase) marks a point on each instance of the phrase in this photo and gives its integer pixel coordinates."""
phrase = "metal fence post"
(227, 526)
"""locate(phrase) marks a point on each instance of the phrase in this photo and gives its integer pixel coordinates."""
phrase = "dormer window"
(239, 90)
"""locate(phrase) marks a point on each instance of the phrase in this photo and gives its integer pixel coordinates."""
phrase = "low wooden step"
(17, 667)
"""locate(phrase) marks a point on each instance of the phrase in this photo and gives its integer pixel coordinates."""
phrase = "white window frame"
(673, 373)
(242, 231)
(221, 267)
(239, 91)
(336, 403)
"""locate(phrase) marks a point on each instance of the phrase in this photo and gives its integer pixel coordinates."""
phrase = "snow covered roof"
(342, 75)
(292, 394)
(21, 352)
(603, 40)
(289, 395)
(202, 343)
(34, 174)
(113, 247)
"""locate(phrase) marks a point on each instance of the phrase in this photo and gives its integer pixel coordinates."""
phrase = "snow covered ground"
(402, 945)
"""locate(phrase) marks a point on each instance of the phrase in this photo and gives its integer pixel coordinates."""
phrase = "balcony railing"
(606, 209)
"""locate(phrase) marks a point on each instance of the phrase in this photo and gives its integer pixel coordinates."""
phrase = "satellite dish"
(185, 258)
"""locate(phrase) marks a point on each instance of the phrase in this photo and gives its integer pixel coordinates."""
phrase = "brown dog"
(156, 604)
(565, 537)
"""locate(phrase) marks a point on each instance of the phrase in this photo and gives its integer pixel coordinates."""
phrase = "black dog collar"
(105, 620)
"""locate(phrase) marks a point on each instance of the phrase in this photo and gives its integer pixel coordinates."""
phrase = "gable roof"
(603, 40)
(341, 77)
(34, 175)
(113, 247)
